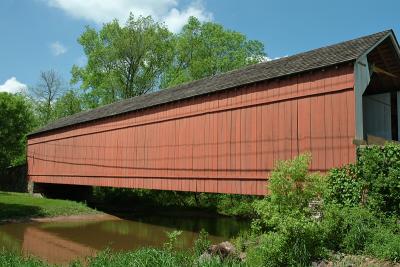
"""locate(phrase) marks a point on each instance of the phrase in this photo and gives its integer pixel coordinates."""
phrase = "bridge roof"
(347, 51)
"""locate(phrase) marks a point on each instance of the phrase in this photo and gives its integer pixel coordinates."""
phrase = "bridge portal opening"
(381, 99)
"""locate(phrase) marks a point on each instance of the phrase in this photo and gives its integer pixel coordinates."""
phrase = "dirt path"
(83, 217)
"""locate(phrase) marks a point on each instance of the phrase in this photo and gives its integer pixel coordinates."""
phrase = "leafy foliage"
(123, 61)
(202, 243)
(68, 104)
(384, 244)
(206, 49)
(16, 121)
(172, 239)
(291, 190)
(379, 167)
(345, 185)
(289, 235)
(226, 204)
(286, 235)
(373, 181)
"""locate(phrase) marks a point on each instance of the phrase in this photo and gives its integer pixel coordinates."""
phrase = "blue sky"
(41, 34)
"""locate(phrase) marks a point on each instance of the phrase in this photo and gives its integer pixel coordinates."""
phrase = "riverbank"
(164, 257)
(24, 207)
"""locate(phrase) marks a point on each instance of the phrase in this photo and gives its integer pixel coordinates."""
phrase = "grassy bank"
(146, 257)
(149, 257)
(15, 206)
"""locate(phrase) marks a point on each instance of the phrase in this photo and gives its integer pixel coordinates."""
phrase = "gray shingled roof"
(314, 59)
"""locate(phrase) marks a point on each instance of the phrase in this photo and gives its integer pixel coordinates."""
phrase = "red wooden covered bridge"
(223, 134)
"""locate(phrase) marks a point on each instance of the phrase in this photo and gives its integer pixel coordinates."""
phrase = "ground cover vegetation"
(15, 206)
(350, 216)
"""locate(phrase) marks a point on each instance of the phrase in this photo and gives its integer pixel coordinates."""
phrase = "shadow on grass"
(18, 211)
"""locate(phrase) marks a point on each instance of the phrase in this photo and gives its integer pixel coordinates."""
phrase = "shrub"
(380, 168)
(172, 239)
(269, 252)
(292, 188)
(202, 243)
(290, 236)
(296, 243)
(236, 205)
(344, 186)
(384, 244)
(356, 225)
(374, 181)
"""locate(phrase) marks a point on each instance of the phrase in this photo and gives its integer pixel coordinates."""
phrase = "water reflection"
(62, 242)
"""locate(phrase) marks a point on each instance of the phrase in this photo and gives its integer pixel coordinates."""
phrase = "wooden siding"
(224, 142)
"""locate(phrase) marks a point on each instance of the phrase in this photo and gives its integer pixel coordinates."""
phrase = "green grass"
(11, 259)
(24, 206)
(144, 257)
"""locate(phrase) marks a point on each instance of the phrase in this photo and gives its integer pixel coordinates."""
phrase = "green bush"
(202, 243)
(172, 239)
(384, 244)
(374, 181)
(344, 186)
(292, 188)
(270, 251)
(379, 167)
(290, 236)
(296, 243)
(354, 226)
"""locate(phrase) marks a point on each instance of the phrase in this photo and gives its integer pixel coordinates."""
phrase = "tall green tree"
(16, 120)
(207, 49)
(68, 104)
(123, 61)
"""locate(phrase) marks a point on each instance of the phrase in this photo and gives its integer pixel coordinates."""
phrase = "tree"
(207, 49)
(16, 120)
(45, 94)
(68, 104)
(123, 61)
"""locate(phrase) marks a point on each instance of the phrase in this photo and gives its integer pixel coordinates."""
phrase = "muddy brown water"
(61, 242)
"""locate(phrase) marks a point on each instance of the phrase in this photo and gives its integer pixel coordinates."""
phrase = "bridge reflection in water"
(63, 242)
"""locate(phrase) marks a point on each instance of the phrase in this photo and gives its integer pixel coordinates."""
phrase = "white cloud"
(101, 11)
(177, 19)
(270, 59)
(12, 85)
(57, 48)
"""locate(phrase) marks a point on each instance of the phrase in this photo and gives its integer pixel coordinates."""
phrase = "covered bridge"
(223, 134)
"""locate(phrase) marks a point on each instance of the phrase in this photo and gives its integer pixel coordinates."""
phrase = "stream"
(61, 242)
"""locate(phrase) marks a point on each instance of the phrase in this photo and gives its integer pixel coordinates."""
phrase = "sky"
(38, 35)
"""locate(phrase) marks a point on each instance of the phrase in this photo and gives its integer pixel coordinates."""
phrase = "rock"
(223, 249)
(321, 263)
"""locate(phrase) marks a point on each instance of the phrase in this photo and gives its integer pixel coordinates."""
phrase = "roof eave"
(39, 132)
